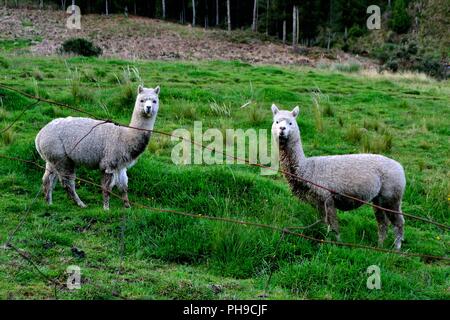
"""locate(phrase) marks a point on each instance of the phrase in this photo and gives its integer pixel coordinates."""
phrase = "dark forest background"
(414, 34)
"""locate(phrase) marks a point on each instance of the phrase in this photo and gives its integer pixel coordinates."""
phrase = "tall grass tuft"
(158, 144)
(255, 115)
(4, 63)
(78, 93)
(3, 113)
(319, 98)
(354, 134)
(220, 109)
(8, 136)
(189, 112)
(347, 67)
(38, 75)
(126, 80)
(377, 143)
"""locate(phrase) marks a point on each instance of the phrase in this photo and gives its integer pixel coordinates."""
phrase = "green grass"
(172, 257)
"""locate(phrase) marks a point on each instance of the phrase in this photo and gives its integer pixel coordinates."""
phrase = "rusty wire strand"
(333, 192)
(286, 230)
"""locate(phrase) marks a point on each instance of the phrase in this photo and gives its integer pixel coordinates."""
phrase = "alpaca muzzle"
(148, 110)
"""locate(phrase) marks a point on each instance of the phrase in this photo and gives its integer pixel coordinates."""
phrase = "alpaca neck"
(292, 156)
(293, 162)
(137, 140)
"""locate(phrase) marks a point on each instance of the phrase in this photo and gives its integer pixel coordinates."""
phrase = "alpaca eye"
(142, 101)
(277, 122)
(290, 123)
(154, 101)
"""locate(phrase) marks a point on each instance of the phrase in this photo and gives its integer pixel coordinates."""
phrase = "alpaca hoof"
(82, 205)
(106, 208)
(127, 205)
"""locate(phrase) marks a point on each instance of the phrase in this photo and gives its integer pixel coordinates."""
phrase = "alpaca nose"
(148, 109)
(282, 128)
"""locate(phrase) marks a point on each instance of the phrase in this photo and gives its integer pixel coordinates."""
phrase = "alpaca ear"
(295, 112)
(140, 89)
(274, 109)
(157, 89)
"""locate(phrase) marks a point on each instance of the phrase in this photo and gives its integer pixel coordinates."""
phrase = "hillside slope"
(141, 253)
(143, 38)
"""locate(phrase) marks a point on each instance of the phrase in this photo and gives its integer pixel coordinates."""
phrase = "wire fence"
(283, 230)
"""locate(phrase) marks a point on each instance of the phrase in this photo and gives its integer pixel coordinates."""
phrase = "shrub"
(355, 31)
(408, 56)
(392, 65)
(82, 47)
(431, 66)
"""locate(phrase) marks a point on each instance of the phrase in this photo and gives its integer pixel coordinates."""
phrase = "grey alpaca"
(104, 146)
(368, 177)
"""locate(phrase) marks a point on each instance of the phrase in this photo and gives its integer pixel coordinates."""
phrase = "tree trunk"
(298, 24)
(206, 14)
(106, 8)
(267, 17)
(284, 31)
(255, 16)
(228, 15)
(329, 40)
(294, 26)
(217, 12)
(41, 4)
(135, 11)
(193, 13)
(164, 9)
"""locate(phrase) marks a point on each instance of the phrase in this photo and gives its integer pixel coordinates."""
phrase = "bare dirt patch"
(143, 38)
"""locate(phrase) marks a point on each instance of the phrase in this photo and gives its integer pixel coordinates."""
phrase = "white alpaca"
(368, 177)
(108, 147)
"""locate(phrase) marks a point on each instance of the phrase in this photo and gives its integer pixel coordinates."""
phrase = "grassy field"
(171, 257)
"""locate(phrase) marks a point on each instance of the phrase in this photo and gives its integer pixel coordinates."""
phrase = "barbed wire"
(333, 192)
(31, 105)
(284, 231)
(287, 230)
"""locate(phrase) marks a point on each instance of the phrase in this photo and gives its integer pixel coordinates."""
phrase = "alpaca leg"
(331, 217)
(398, 222)
(382, 221)
(383, 224)
(48, 182)
(107, 185)
(67, 178)
(122, 184)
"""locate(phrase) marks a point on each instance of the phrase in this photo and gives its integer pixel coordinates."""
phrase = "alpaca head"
(147, 101)
(284, 126)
